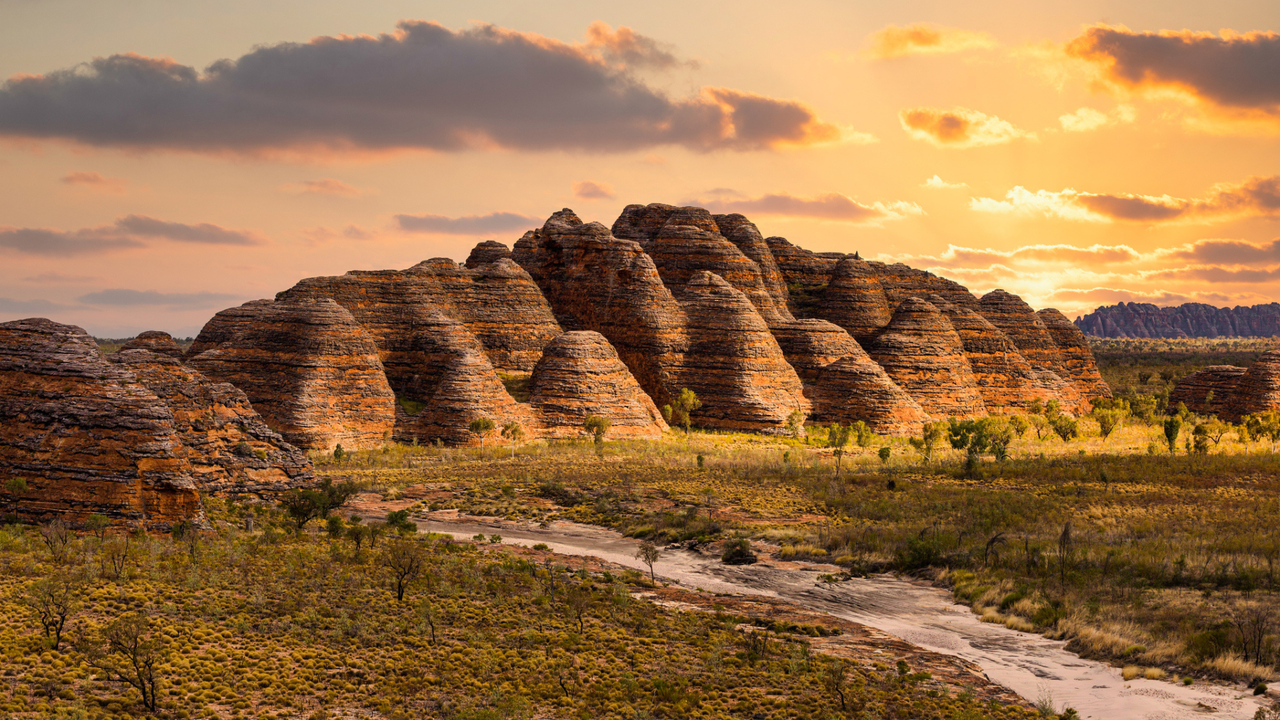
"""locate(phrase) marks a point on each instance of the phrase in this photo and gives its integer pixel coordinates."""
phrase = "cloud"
(1255, 197)
(1221, 275)
(128, 298)
(940, 184)
(830, 206)
(924, 38)
(630, 48)
(57, 277)
(1228, 252)
(126, 232)
(1087, 119)
(421, 87)
(1231, 72)
(490, 224)
(95, 181)
(587, 190)
(959, 127)
(325, 186)
(1110, 296)
(29, 308)
(321, 235)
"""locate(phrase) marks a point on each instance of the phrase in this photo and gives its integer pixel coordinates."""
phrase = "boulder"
(1077, 357)
(487, 252)
(156, 341)
(230, 448)
(1193, 390)
(85, 435)
(310, 371)
(1258, 389)
(580, 375)
(924, 355)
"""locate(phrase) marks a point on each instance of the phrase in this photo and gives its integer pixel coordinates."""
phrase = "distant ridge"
(1144, 320)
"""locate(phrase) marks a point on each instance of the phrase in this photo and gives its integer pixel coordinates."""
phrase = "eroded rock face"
(901, 282)
(227, 324)
(811, 345)
(156, 341)
(1258, 389)
(487, 252)
(230, 448)
(925, 356)
(746, 236)
(1077, 358)
(85, 434)
(854, 300)
(1005, 380)
(1144, 320)
(854, 388)
(310, 371)
(580, 375)
(733, 363)
(1194, 390)
(1019, 323)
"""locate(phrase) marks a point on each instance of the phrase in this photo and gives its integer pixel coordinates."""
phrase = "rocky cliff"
(1143, 320)
(1231, 392)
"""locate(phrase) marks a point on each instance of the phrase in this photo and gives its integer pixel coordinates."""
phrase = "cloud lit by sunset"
(153, 176)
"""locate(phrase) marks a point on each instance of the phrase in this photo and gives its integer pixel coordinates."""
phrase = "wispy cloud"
(127, 232)
(1087, 119)
(490, 224)
(925, 39)
(122, 297)
(829, 206)
(588, 190)
(939, 184)
(326, 186)
(959, 128)
(95, 181)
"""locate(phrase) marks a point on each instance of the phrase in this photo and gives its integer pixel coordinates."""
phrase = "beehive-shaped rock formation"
(854, 300)
(226, 325)
(1005, 380)
(901, 282)
(1194, 390)
(580, 375)
(1020, 324)
(85, 435)
(925, 356)
(155, 341)
(1258, 389)
(746, 236)
(487, 252)
(309, 370)
(466, 388)
(1077, 358)
(811, 345)
(733, 363)
(855, 388)
(230, 448)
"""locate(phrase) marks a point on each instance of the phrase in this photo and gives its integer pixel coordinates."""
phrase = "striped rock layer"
(1236, 392)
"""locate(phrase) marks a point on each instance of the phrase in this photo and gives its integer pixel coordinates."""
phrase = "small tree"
(685, 404)
(1108, 421)
(513, 432)
(649, 554)
(1019, 425)
(1065, 427)
(795, 424)
(404, 560)
(128, 652)
(597, 426)
(1172, 426)
(884, 454)
(97, 524)
(837, 438)
(481, 427)
(54, 600)
(57, 536)
(930, 435)
(303, 505)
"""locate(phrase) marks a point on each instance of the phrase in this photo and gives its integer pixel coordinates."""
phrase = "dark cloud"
(587, 190)
(1231, 70)
(630, 48)
(494, 222)
(1065, 254)
(1229, 252)
(423, 86)
(127, 232)
(831, 206)
(121, 297)
(959, 127)
(29, 308)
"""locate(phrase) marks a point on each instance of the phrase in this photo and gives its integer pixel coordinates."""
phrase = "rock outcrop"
(1020, 323)
(855, 300)
(1006, 382)
(747, 237)
(1144, 320)
(308, 368)
(901, 282)
(924, 355)
(1077, 358)
(229, 447)
(1194, 390)
(854, 388)
(155, 341)
(85, 435)
(487, 252)
(580, 375)
(227, 324)
(1258, 389)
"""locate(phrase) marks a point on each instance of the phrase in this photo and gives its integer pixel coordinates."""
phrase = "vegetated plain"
(1154, 554)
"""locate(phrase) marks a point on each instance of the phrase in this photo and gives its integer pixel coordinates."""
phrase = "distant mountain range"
(1143, 320)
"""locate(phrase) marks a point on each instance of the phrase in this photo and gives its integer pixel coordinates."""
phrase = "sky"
(162, 160)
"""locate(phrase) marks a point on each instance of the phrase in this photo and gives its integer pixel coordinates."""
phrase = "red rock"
(310, 371)
(733, 363)
(230, 448)
(85, 435)
(1028, 332)
(1077, 357)
(227, 324)
(1258, 389)
(854, 300)
(800, 267)
(487, 252)
(811, 345)
(580, 375)
(925, 356)
(746, 236)
(1193, 390)
(854, 388)
(155, 341)
(901, 282)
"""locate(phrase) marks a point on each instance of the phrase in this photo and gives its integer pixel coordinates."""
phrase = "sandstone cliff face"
(580, 375)
(1143, 320)
(1028, 332)
(1077, 358)
(227, 324)
(155, 341)
(901, 282)
(855, 388)
(86, 436)
(925, 356)
(487, 252)
(1005, 380)
(855, 300)
(733, 362)
(1193, 390)
(466, 389)
(1258, 389)
(309, 370)
(230, 448)
(746, 236)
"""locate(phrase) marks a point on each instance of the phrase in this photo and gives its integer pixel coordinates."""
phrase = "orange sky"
(160, 161)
